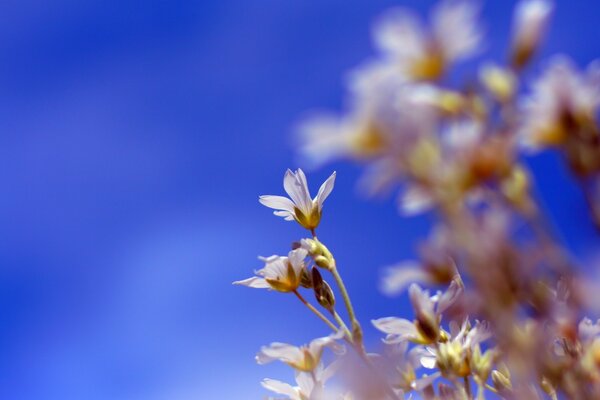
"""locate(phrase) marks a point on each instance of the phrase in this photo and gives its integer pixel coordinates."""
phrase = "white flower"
(564, 101)
(428, 312)
(452, 356)
(309, 387)
(530, 20)
(283, 274)
(304, 358)
(305, 210)
(454, 35)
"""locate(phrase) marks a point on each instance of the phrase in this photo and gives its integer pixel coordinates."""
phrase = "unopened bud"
(500, 381)
(306, 279)
(323, 262)
(531, 18)
(481, 364)
(323, 292)
(499, 82)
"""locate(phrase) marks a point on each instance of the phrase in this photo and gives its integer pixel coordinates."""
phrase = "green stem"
(342, 324)
(348, 303)
(316, 312)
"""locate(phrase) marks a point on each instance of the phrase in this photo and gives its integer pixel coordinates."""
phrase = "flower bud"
(306, 279)
(499, 82)
(500, 381)
(323, 292)
(547, 387)
(323, 262)
(531, 18)
(481, 364)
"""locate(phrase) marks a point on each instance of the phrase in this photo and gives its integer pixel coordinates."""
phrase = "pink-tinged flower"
(300, 206)
(283, 274)
(563, 104)
(310, 385)
(428, 314)
(529, 26)
(453, 357)
(422, 54)
(304, 358)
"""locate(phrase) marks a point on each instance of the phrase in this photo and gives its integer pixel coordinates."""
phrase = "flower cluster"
(509, 321)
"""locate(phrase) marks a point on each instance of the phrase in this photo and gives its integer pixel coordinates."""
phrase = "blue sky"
(136, 138)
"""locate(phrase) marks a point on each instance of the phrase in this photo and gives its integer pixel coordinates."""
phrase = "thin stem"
(342, 324)
(467, 385)
(315, 311)
(347, 301)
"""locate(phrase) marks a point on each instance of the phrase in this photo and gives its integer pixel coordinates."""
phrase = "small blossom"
(501, 83)
(310, 384)
(283, 274)
(426, 327)
(304, 358)
(423, 55)
(564, 102)
(302, 208)
(530, 20)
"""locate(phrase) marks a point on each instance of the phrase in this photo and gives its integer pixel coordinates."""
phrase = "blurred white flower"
(428, 314)
(420, 54)
(529, 26)
(305, 210)
(500, 82)
(564, 100)
(304, 358)
(310, 385)
(282, 274)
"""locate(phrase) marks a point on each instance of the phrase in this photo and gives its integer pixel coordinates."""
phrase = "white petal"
(420, 300)
(415, 200)
(279, 351)
(288, 216)
(316, 346)
(480, 333)
(530, 20)
(325, 190)
(305, 381)
(425, 381)
(324, 138)
(428, 361)
(281, 388)
(588, 330)
(296, 187)
(277, 202)
(450, 296)
(396, 278)
(400, 34)
(254, 282)
(455, 28)
(297, 257)
(395, 326)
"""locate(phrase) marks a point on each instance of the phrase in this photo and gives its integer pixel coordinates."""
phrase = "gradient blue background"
(135, 139)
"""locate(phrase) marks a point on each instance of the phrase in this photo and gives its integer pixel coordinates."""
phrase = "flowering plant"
(509, 321)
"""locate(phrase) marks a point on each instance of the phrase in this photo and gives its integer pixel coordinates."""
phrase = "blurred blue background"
(135, 139)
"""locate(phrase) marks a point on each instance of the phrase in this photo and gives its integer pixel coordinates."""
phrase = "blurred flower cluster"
(504, 313)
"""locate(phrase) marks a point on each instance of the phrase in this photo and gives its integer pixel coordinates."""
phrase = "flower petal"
(396, 326)
(296, 187)
(455, 28)
(396, 278)
(254, 282)
(325, 190)
(277, 202)
(281, 388)
(279, 351)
